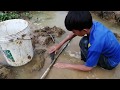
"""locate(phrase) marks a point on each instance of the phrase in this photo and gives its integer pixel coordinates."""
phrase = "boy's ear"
(85, 30)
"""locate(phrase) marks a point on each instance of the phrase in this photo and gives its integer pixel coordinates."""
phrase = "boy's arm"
(69, 37)
(73, 66)
(58, 46)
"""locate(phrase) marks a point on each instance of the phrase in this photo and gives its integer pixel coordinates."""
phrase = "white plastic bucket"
(15, 42)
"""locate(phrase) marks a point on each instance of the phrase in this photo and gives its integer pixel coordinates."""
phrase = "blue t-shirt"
(102, 41)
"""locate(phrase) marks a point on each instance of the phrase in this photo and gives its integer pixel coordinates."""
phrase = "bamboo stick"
(50, 66)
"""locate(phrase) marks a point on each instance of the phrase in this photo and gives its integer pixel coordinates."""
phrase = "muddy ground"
(111, 16)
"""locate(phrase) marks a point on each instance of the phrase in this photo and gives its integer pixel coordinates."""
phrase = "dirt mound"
(41, 38)
(46, 35)
(4, 72)
(56, 31)
(38, 59)
(113, 16)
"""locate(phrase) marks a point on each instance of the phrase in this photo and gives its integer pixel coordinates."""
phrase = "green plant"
(6, 15)
(9, 15)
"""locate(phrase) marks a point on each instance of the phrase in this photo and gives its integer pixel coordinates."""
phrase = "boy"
(100, 46)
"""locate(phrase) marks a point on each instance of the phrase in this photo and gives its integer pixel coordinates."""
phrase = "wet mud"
(4, 72)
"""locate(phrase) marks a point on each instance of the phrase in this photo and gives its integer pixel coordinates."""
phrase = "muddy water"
(70, 55)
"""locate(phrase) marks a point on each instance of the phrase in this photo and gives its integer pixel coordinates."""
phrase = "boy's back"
(103, 41)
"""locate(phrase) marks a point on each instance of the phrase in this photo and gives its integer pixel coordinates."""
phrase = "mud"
(46, 35)
(39, 59)
(4, 72)
(111, 16)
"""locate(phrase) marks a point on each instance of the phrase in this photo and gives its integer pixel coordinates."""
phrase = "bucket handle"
(11, 40)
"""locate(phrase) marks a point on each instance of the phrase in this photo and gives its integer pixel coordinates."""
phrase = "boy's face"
(79, 33)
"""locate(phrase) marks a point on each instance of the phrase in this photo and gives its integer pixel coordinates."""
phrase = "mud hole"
(41, 39)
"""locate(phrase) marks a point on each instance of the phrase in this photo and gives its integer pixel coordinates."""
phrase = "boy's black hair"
(78, 20)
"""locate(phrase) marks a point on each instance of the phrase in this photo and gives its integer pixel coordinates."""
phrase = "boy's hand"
(54, 48)
(61, 65)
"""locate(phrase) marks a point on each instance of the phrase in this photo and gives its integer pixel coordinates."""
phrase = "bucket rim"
(12, 20)
(17, 32)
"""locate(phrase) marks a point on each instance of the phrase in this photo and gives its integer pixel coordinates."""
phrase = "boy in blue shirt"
(100, 46)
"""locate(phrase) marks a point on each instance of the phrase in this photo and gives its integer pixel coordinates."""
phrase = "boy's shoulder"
(100, 25)
(97, 22)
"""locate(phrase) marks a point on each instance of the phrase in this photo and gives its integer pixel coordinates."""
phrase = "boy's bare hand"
(53, 49)
(61, 65)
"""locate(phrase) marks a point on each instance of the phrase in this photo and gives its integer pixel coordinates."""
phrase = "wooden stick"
(48, 69)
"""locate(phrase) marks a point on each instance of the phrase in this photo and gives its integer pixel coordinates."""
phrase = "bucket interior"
(13, 26)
